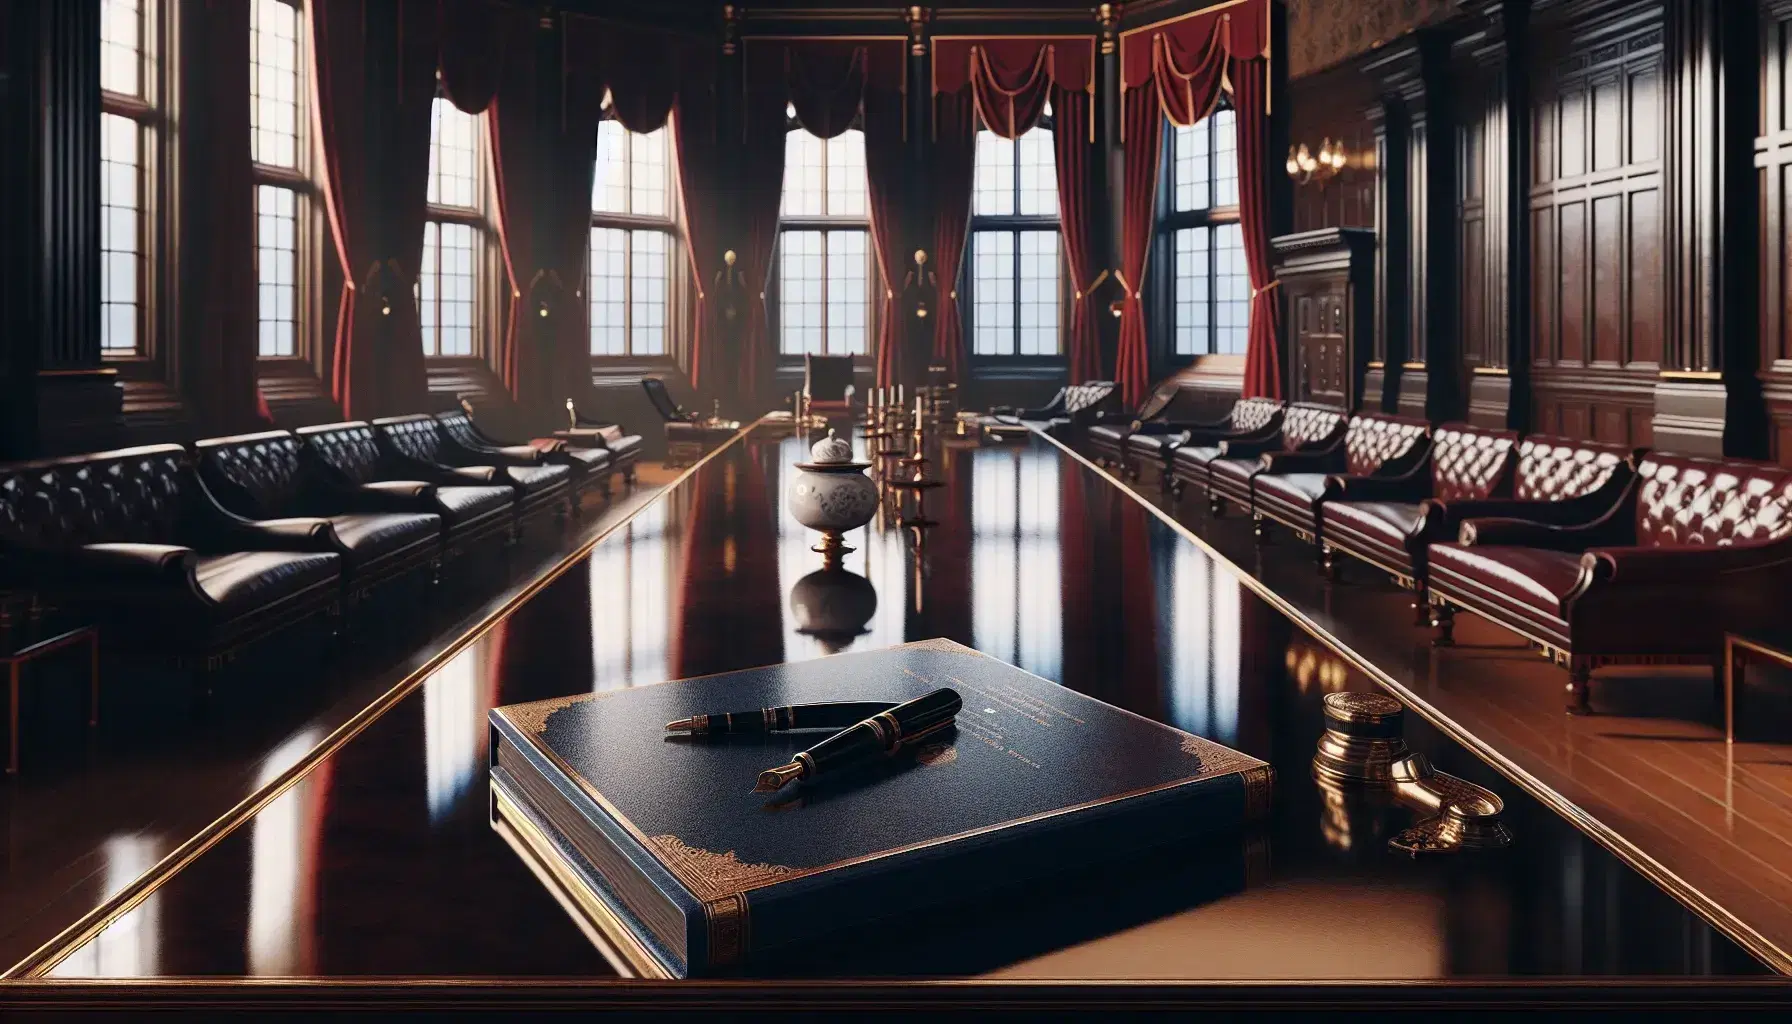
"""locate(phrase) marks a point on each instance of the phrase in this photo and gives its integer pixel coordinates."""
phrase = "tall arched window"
(824, 246)
(279, 150)
(632, 234)
(1211, 289)
(1015, 255)
(131, 118)
(451, 281)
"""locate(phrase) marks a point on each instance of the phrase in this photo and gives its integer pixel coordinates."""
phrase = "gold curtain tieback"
(1089, 289)
(1259, 291)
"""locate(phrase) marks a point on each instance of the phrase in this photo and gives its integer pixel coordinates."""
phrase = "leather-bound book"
(659, 848)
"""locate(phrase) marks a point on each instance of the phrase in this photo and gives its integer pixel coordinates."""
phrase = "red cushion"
(1535, 577)
(1235, 471)
(1298, 489)
(1389, 522)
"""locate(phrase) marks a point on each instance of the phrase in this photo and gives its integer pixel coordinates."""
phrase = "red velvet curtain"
(1073, 153)
(826, 79)
(339, 115)
(951, 167)
(404, 175)
(1143, 121)
(1011, 82)
(218, 235)
(760, 192)
(1250, 97)
(1180, 66)
(703, 170)
(477, 37)
(516, 172)
(886, 165)
(374, 134)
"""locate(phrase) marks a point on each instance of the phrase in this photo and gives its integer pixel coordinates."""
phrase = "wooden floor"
(1649, 775)
(379, 860)
(92, 813)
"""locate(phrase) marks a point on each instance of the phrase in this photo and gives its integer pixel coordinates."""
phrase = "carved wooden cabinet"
(1326, 280)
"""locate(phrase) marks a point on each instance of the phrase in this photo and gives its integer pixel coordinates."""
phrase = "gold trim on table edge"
(1714, 913)
(126, 899)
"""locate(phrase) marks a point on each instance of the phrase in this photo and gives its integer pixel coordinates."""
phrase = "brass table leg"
(1732, 680)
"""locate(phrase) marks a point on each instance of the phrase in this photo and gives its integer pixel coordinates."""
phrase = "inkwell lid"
(832, 454)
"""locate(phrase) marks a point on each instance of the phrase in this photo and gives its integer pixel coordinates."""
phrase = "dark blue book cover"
(661, 836)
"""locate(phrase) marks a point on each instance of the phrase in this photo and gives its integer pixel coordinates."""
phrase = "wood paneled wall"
(1596, 241)
(1613, 178)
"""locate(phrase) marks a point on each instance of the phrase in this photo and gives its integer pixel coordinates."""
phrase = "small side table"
(19, 648)
(1739, 649)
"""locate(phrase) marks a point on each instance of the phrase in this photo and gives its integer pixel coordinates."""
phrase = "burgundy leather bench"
(1378, 519)
(1693, 547)
(1224, 469)
(1289, 487)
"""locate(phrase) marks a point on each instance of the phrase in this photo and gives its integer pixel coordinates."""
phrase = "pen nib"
(773, 779)
(682, 725)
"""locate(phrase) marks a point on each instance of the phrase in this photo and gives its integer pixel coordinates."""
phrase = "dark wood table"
(381, 861)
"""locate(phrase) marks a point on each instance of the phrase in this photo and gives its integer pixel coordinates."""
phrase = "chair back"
(1469, 463)
(414, 437)
(662, 400)
(1254, 414)
(1554, 468)
(827, 378)
(1158, 401)
(1088, 395)
(1689, 500)
(257, 476)
(345, 449)
(459, 427)
(1305, 425)
(131, 495)
(1372, 440)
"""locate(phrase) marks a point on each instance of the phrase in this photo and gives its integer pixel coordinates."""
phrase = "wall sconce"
(919, 282)
(1116, 308)
(1305, 168)
(729, 284)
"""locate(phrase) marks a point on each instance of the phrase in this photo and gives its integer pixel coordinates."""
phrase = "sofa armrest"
(429, 472)
(397, 496)
(1646, 565)
(1327, 461)
(164, 564)
(476, 475)
(1527, 534)
(1410, 487)
(1443, 519)
(1249, 447)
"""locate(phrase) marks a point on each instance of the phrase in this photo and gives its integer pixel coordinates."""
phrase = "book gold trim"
(721, 883)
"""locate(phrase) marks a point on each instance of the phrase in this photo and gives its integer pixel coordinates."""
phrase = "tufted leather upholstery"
(1371, 441)
(1250, 415)
(459, 428)
(1684, 500)
(419, 444)
(1373, 445)
(137, 538)
(1693, 547)
(346, 448)
(347, 462)
(1305, 425)
(1470, 463)
(1380, 518)
(262, 476)
(1556, 468)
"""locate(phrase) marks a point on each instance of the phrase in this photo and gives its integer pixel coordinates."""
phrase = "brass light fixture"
(920, 274)
(1307, 169)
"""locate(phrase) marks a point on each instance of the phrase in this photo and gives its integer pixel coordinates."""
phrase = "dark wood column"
(1773, 157)
(1387, 341)
(1491, 136)
(60, 396)
(1707, 386)
(1422, 358)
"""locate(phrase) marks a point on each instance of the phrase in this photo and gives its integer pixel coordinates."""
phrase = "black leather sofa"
(416, 445)
(263, 476)
(587, 468)
(623, 447)
(348, 463)
(135, 538)
(1155, 444)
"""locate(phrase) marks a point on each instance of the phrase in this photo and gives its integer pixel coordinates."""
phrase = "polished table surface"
(381, 860)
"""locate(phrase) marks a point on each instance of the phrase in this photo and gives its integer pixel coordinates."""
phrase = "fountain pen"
(831, 715)
(883, 734)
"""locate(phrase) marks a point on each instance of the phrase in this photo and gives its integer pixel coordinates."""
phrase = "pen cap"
(926, 711)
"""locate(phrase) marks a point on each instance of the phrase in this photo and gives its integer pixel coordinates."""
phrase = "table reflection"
(1034, 560)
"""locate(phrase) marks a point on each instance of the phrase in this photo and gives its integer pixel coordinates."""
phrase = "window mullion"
(628, 289)
(827, 336)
